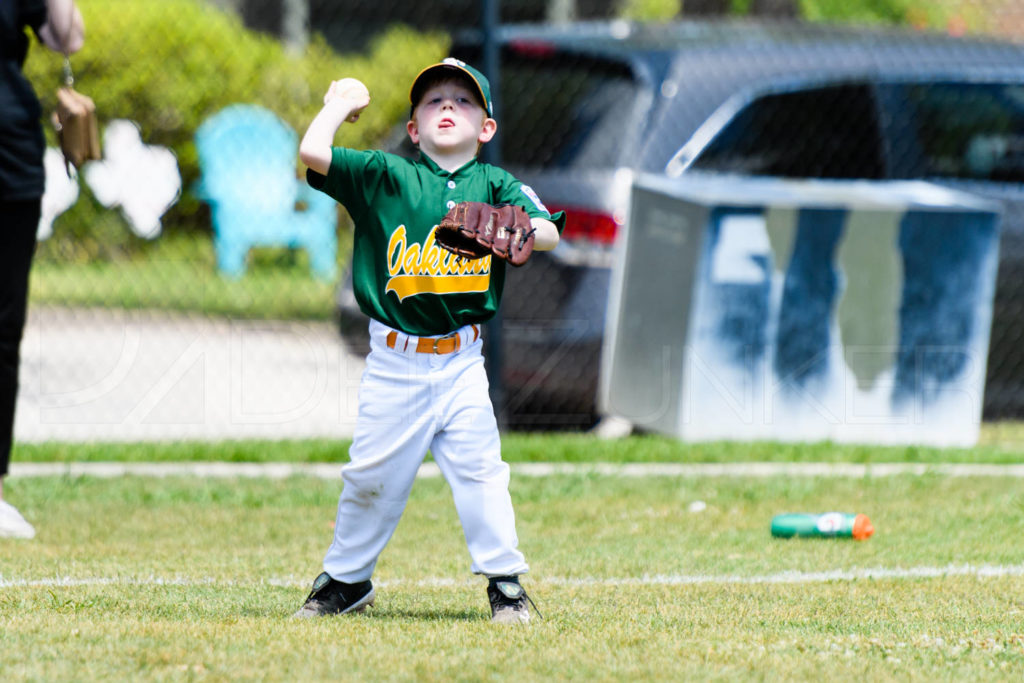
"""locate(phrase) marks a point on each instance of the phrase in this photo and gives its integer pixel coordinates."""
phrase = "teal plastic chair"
(247, 164)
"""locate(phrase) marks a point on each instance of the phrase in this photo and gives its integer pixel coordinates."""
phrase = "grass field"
(183, 578)
(180, 274)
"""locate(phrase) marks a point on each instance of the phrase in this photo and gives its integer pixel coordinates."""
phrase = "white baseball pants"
(410, 402)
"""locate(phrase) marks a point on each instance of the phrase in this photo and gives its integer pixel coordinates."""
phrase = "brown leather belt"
(438, 345)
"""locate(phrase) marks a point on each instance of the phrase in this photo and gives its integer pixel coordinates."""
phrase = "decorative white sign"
(60, 194)
(143, 180)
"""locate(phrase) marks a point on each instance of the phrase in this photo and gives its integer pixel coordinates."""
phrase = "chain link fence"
(189, 285)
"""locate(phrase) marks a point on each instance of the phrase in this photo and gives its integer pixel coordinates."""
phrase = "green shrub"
(649, 10)
(923, 14)
(170, 64)
(868, 11)
(949, 15)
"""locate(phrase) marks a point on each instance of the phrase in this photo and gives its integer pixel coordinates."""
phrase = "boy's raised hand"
(344, 100)
(351, 91)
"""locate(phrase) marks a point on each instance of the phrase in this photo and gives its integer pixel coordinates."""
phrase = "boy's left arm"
(546, 238)
(548, 226)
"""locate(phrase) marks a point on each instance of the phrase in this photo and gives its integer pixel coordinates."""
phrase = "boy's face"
(448, 120)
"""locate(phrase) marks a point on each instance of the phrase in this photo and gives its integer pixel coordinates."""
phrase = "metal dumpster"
(850, 311)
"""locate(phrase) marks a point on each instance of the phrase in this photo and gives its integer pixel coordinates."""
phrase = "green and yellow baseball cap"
(483, 87)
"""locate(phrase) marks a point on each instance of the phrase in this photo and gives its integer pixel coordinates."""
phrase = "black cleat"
(509, 601)
(334, 597)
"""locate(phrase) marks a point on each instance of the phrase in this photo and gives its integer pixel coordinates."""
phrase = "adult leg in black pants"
(17, 244)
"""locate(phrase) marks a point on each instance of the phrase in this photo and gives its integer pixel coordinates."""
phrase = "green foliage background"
(170, 64)
(931, 14)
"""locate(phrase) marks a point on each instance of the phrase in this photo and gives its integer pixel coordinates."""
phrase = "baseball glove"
(474, 230)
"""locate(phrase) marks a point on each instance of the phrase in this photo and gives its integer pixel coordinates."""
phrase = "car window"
(961, 130)
(824, 132)
(565, 111)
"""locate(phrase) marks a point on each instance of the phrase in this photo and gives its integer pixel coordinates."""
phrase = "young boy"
(424, 387)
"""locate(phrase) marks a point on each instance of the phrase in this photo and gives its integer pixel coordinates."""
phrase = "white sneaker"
(12, 524)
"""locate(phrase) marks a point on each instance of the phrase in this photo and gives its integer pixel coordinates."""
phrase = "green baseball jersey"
(401, 277)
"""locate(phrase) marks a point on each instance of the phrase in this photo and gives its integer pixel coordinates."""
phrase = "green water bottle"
(827, 525)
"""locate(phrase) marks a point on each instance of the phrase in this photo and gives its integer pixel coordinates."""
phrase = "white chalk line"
(272, 470)
(984, 571)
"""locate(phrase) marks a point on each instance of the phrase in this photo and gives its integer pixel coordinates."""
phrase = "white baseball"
(351, 89)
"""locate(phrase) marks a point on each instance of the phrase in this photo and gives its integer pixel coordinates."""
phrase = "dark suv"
(583, 106)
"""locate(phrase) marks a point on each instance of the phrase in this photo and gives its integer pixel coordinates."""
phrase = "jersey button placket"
(451, 186)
